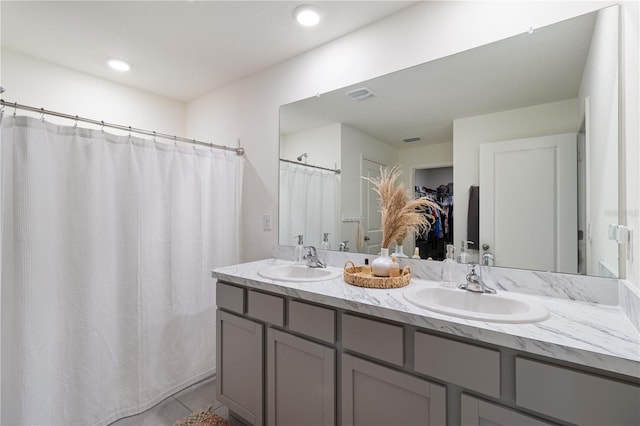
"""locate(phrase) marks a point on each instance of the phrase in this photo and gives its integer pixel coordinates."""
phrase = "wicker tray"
(353, 275)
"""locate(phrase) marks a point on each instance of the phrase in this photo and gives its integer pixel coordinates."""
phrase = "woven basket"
(353, 275)
(203, 418)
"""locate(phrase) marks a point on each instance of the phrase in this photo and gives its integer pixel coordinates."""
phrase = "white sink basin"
(299, 273)
(476, 306)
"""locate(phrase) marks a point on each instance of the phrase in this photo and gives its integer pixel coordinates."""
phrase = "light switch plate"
(267, 224)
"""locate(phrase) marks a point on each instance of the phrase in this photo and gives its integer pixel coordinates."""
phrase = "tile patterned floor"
(167, 412)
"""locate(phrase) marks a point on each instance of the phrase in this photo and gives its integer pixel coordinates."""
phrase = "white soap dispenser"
(325, 245)
(448, 269)
(416, 253)
(299, 251)
(463, 257)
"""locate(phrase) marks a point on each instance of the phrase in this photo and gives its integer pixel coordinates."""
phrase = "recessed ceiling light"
(119, 64)
(307, 15)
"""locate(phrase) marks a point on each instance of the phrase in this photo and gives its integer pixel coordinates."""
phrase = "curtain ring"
(75, 124)
(15, 108)
(42, 114)
(102, 126)
(175, 141)
(154, 137)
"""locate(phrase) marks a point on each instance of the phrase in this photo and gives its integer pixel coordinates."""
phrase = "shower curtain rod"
(336, 171)
(239, 151)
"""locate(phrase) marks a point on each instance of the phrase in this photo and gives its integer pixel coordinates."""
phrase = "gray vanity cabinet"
(300, 381)
(374, 395)
(239, 371)
(298, 387)
(286, 361)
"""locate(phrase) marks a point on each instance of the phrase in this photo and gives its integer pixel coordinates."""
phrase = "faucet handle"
(311, 258)
(473, 276)
(474, 281)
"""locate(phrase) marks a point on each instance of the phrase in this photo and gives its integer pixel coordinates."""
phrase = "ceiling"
(528, 69)
(178, 49)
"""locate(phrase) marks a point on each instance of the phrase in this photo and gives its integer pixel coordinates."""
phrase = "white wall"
(321, 144)
(600, 86)
(248, 109)
(424, 157)
(469, 133)
(41, 84)
(432, 178)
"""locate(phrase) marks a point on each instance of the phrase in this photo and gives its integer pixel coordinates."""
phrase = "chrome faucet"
(311, 258)
(475, 283)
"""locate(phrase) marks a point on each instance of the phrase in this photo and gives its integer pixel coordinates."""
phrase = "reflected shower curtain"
(309, 204)
(108, 305)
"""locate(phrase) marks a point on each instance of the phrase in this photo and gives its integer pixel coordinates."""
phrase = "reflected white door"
(371, 220)
(528, 203)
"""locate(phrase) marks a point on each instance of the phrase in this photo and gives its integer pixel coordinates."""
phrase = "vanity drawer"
(476, 412)
(266, 307)
(230, 297)
(469, 366)
(313, 321)
(373, 338)
(574, 396)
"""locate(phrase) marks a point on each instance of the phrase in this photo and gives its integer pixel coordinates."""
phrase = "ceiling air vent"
(411, 139)
(360, 94)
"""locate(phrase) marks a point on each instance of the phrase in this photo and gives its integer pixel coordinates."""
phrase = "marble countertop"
(590, 334)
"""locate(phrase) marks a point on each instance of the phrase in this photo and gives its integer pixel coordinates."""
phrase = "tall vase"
(399, 251)
(380, 265)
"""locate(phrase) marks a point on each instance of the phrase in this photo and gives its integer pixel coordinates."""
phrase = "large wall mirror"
(518, 141)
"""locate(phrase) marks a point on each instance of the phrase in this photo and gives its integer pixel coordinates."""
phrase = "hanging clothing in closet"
(432, 243)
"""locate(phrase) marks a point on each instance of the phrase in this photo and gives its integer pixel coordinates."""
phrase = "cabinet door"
(575, 396)
(300, 381)
(239, 371)
(375, 395)
(476, 412)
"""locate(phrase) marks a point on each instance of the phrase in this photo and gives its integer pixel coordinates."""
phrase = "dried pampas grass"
(400, 213)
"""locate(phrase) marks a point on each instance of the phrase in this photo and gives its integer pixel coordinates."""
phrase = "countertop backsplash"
(604, 291)
(629, 298)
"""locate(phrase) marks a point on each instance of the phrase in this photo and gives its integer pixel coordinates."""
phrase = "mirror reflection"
(516, 139)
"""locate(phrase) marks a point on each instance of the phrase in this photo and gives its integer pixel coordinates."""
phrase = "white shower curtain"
(108, 305)
(309, 203)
